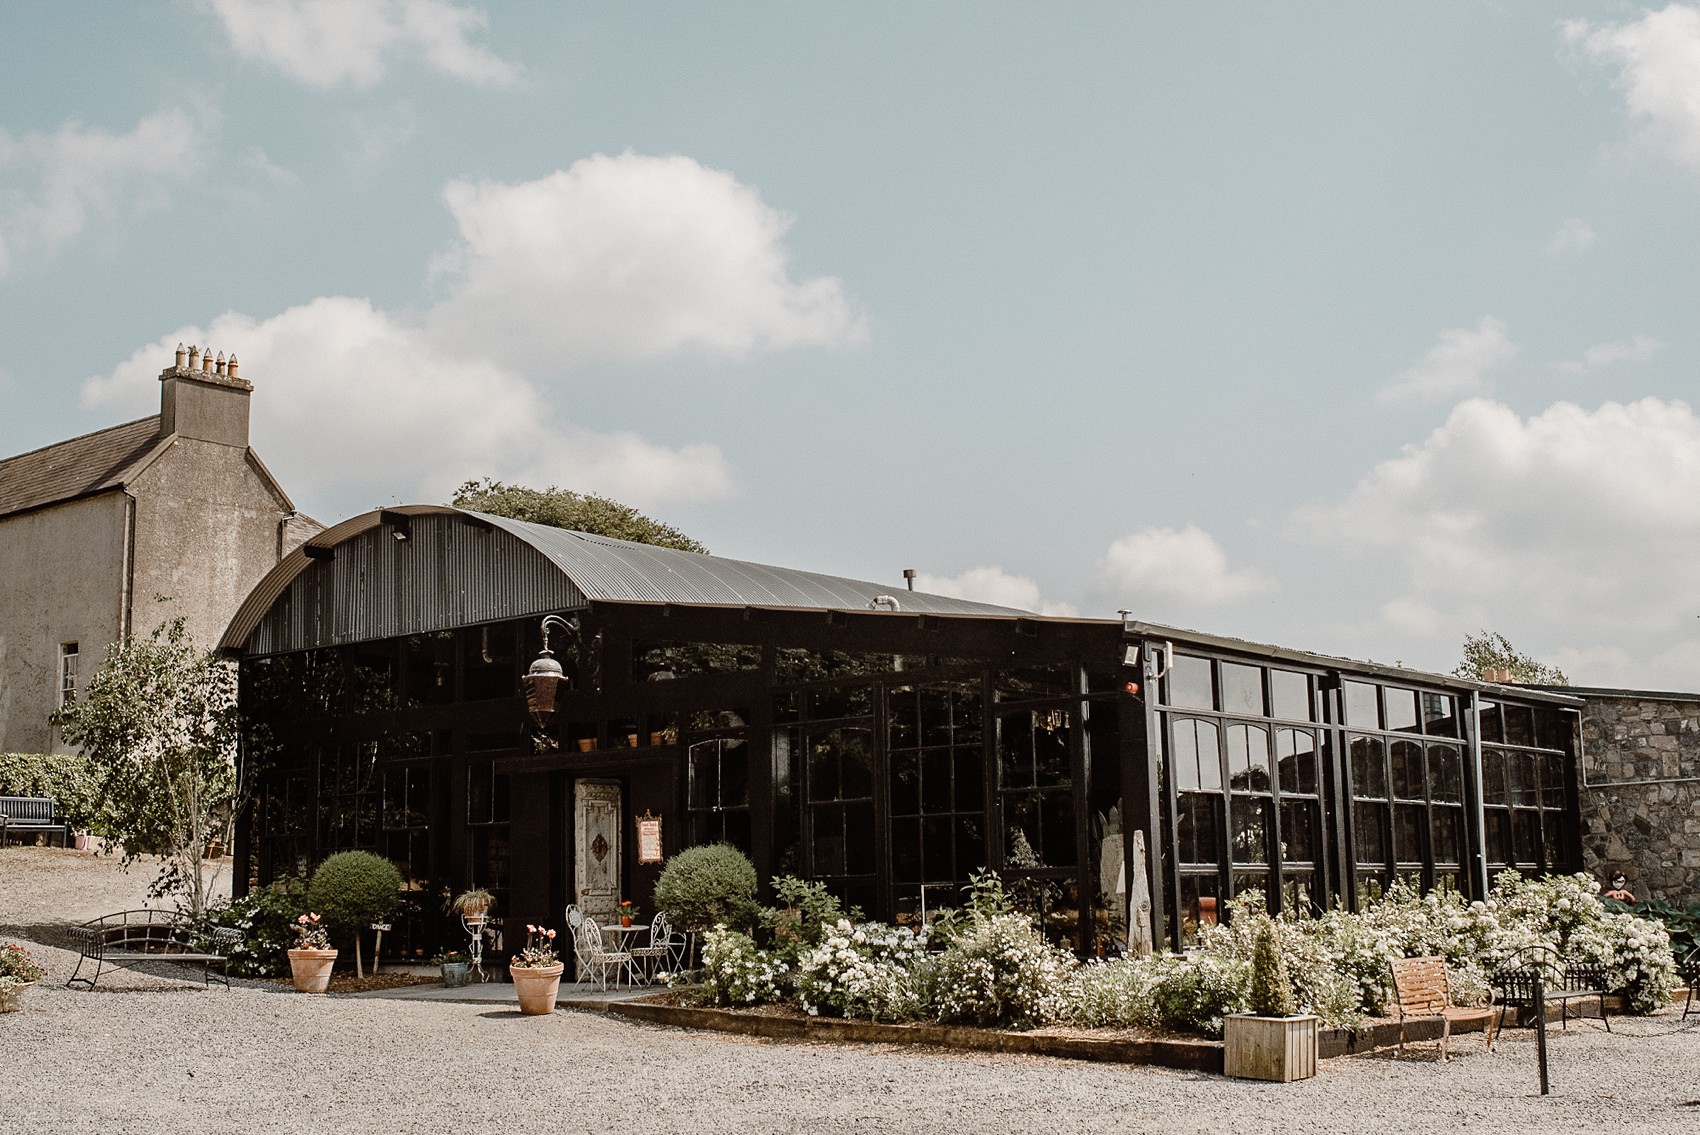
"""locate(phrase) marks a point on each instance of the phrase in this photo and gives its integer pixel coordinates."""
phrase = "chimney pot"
(232, 371)
(194, 357)
(221, 362)
(182, 355)
(207, 362)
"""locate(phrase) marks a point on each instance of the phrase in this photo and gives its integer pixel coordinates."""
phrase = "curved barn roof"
(587, 569)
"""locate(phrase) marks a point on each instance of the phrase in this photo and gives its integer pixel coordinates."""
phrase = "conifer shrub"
(1271, 989)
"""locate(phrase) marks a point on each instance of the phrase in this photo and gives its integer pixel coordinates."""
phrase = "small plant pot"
(587, 744)
(536, 987)
(1281, 1049)
(456, 974)
(10, 1000)
(625, 920)
(80, 841)
(311, 969)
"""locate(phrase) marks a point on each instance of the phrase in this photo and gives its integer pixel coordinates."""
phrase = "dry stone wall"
(1640, 802)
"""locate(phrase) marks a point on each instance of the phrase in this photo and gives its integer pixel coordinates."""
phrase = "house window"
(67, 673)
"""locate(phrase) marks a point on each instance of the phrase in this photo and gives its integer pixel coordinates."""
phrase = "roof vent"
(884, 603)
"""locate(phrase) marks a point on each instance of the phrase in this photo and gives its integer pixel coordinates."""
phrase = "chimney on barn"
(205, 400)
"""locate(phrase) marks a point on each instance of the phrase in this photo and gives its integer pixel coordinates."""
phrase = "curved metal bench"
(132, 938)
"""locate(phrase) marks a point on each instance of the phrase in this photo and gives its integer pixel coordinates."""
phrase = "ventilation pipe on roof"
(884, 603)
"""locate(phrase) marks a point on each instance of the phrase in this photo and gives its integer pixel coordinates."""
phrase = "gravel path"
(257, 1059)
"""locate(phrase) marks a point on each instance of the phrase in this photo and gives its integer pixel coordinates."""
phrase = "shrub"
(735, 971)
(707, 886)
(70, 779)
(999, 971)
(1192, 995)
(1271, 993)
(807, 913)
(266, 918)
(354, 888)
(869, 970)
(17, 964)
(1113, 994)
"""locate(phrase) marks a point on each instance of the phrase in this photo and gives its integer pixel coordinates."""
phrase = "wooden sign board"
(649, 839)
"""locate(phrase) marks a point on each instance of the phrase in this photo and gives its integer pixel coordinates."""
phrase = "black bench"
(1561, 982)
(132, 938)
(32, 816)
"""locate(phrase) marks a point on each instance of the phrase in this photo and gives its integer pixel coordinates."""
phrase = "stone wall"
(1640, 800)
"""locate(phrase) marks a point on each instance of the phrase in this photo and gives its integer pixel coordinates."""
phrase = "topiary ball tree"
(702, 887)
(1271, 988)
(353, 889)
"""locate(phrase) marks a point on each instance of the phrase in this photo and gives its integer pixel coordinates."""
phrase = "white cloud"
(629, 257)
(53, 185)
(326, 43)
(993, 585)
(353, 405)
(1581, 526)
(1185, 565)
(1572, 236)
(1461, 363)
(1636, 350)
(1658, 60)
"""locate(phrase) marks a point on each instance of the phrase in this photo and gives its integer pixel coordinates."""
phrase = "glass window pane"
(1401, 709)
(1015, 750)
(1409, 820)
(970, 781)
(1552, 780)
(1493, 777)
(1526, 834)
(1296, 752)
(1523, 778)
(1498, 837)
(1368, 833)
(1369, 769)
(1198, 905)
(1406, 758)
(1189, 685)
(1361, 708)
(1290, 694)
(1552, 828)
(1242, 689)
(1248, 758)
(905, 783)
(1198, 827)
(1446, 773)
(1493, 723)
(1440, 715)
(1519, 725)
(1298, 831)
(1250, 836)
(1448, 835)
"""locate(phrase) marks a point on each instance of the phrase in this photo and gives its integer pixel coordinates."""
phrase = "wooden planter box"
(1269, 1048)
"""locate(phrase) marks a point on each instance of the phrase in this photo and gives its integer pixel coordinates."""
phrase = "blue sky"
(1354, 328)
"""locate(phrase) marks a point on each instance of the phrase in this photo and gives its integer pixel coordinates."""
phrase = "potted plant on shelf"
(1274, 1041)
(311, 959)
(18, 972)
(536, 972)
(628, 911)
(473, 905)
(456, 968)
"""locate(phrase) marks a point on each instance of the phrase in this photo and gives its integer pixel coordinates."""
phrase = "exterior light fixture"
(545, 677)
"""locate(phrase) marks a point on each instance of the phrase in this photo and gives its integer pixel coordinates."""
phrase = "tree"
(160, 724)
(1491, 653)
(563, 508)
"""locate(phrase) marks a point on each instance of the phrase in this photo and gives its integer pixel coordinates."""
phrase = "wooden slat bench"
(1421, 990)
(132, 938)
(32, 816)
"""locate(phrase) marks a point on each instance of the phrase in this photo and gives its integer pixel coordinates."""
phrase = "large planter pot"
(11, 996)
(311, 969)
(456, 974)
(536, 987)
(1269, 1048)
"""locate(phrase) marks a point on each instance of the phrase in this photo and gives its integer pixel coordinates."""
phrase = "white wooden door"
(596, 829)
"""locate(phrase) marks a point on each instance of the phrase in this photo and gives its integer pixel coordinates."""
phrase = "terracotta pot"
(625, 920)
(536, 987)
(587, 744)
(9, 1002)
(311, 969)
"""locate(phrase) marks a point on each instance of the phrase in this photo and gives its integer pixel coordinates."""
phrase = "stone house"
(93, 529)
(1640, 792)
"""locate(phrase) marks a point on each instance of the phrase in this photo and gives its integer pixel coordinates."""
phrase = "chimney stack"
(202, 397)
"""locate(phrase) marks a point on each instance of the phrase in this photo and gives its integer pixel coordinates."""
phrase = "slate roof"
(82, 466)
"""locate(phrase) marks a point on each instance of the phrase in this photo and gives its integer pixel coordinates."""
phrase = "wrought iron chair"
(658, 953)
(574, 917)
(1689, 970)
(597, 958)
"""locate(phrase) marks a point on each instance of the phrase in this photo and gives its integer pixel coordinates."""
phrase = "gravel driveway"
(258, 1059)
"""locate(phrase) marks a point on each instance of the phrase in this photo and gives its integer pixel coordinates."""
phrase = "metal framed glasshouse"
(398, 676)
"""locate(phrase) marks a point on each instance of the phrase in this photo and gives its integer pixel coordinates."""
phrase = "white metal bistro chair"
(654, 957)
(574, 918)
(597, 958)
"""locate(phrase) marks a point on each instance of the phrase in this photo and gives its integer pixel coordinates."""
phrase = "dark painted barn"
(885, 742)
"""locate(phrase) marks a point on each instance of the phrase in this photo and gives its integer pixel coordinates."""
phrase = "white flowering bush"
(864, 970)
(266, 918)
(1112, 994)
(1000, 971)
(735, 971)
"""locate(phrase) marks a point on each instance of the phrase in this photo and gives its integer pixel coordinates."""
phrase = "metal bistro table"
(620, 939)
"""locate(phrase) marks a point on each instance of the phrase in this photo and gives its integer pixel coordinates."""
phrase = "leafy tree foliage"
(70, 779)
(1491, 651)
(563, 508)
(159, 722)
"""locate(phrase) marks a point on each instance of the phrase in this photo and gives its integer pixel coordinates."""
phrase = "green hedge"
(71, 780)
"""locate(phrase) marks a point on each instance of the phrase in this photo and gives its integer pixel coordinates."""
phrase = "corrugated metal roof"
(275, 616)
(83, 465)
(619, 571)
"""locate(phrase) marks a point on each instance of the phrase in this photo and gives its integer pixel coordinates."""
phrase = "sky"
(1351, 328)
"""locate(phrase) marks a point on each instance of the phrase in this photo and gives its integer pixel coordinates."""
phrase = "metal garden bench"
(1560, 982)
(132, 938)
(32, 815)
